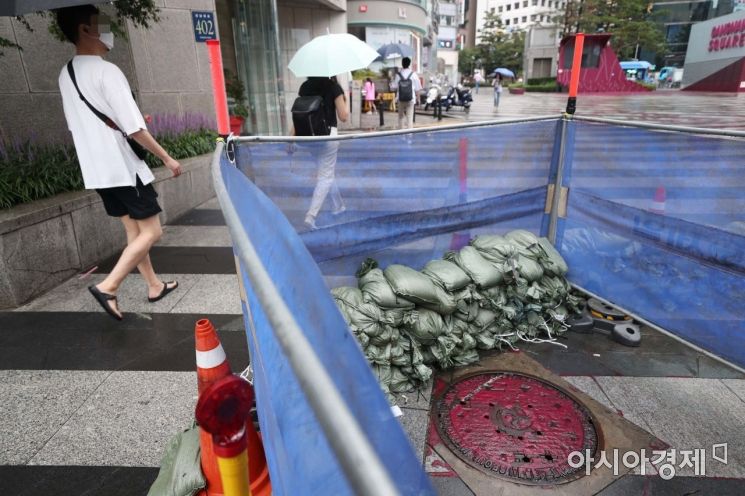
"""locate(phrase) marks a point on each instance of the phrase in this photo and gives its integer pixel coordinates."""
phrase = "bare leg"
(148, 233)
(154, 283)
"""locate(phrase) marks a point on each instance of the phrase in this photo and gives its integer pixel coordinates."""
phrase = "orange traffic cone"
(212, 365)
(660, 198)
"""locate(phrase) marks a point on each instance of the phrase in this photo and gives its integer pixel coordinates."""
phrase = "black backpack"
(309, 116)
(405, 88)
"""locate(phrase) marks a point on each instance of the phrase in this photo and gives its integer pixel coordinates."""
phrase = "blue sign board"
(205, 27)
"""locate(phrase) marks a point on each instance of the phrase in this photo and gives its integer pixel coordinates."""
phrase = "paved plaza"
(89, 403)
(705, 110)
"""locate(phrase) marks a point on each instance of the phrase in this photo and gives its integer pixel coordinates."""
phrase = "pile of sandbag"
(488, 295)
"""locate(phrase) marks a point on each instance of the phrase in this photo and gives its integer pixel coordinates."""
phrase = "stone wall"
(46, 242)
(166, 68)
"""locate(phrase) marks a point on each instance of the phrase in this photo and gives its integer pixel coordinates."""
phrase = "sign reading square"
(204, 26)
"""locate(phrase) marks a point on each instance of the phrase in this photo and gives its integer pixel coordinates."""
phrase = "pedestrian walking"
(111, 139)
(497, 83)
(369, 89)
(478, 79)
(329, 108)
(407, 87)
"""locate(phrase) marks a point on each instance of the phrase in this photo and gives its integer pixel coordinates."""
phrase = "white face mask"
(107, 39)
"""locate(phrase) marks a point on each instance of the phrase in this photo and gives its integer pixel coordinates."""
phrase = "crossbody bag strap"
(98, 114)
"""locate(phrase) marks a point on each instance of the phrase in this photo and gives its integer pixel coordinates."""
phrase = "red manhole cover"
(515, 427)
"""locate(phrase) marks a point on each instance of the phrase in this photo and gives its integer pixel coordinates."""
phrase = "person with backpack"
(407, 86)
(316, 111)
(111, 140)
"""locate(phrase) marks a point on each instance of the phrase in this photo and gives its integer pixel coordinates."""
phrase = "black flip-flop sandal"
(103, 299)
(165, 291)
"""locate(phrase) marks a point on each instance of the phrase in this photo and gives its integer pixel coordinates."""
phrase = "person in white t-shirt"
(406, 103)
(107, 160)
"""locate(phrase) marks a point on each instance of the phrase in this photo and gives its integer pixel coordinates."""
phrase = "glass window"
(492, 10)
(507, 22)
(509, 7)
(525, 3)
(590, 55)
(525, 19)
(517, 5)
(534, 2)
(549, 3)
(514, 21)
(533, 17)
(500, 9)
(543, 3)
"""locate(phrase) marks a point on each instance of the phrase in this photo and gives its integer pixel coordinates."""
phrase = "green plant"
(538, 81)
(516, 85)
(549, 87)
(240, 110)
(30, 170)
(648, 86)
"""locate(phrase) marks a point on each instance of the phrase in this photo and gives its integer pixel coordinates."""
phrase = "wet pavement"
(694, 109)
(89, 403)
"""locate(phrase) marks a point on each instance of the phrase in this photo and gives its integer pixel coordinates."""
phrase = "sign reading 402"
(205, 27)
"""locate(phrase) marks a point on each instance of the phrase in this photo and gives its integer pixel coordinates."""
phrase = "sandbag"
(445, 304)
(485, 341)
(522, 238)
(484, 319)
(367, 318)
(481, 272)
(411, 285)
(553, 263)
(462, 358)
(446, 275)
(375, 289)
(495, 249)
(180, 470)
(425, 326)
(524, 267)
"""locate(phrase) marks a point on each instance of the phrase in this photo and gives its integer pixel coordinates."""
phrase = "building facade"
(450, 18)
(165, 80)
(519, 14)
(379, 22)
(541, 53)
(715, 60)
(258, 40)
(677, 18)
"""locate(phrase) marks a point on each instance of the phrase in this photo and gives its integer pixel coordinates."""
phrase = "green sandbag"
(180, 470)
(485, 341)
(524, 267)
(553, 262)
(367, 318)
(380, 355)
(466, 311)
(456, 327)
(446, 275)
(411, 350)
(425, 326)
(481, 272)
(375, 289)
(383, 338)
(465, 357)
(383, 374)
(348, 294)
(484, 319)
(523, 239)
(400, 382)
(445, 304)
(411, 285)
(467, 342)
(495, 249)
(363, 339)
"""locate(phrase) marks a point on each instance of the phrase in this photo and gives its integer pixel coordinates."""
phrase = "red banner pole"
(218, 88)
(579, 43)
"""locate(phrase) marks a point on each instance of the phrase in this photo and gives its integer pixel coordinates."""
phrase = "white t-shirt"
(416, 85)
(106, 159)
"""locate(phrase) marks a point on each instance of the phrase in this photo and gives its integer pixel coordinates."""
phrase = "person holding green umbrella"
(322, 103)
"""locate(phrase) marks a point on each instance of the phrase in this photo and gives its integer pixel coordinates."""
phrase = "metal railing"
(359, 461)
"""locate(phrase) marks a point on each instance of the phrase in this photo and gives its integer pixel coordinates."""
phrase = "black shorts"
(139, 202)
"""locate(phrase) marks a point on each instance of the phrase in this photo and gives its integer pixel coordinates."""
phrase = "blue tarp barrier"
(299, 457)
(409, 198)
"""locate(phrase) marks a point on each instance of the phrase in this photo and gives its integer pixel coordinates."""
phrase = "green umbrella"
(332, 54)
